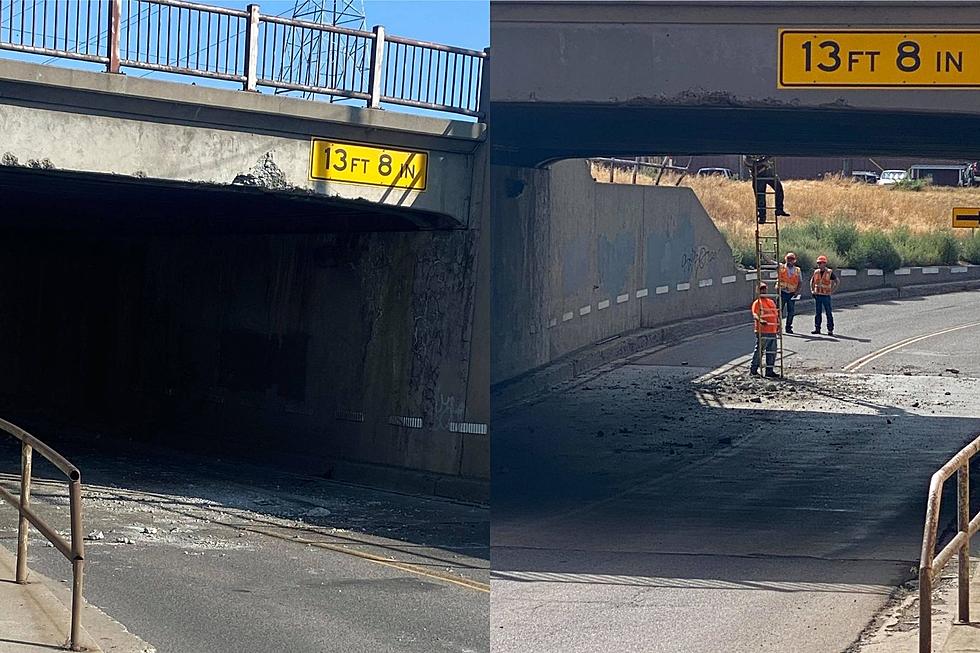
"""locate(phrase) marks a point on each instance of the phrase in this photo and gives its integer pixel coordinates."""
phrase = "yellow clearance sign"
(366, 164)
(879, 59)
(966, 217)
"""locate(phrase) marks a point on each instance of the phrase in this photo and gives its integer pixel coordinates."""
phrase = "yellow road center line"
(864, 360)
(402, 566)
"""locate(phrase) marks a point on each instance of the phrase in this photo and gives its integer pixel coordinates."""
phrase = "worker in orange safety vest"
(766, 317)
(790, 285)
(823, 284)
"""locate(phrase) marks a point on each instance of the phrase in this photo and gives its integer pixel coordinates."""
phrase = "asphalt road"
(221, 556)
(676, 504)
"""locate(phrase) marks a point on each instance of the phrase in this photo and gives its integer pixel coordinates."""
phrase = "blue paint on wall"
(666, 247)
(575, 266)
(616, 260)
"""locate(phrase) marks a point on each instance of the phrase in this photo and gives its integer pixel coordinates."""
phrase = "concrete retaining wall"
(577, 262)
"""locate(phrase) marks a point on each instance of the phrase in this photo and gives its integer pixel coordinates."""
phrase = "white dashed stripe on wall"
(751, 276)
(683, 286)
(622, 298)
(875, 273)
(407, 422)
(704, 283)
(731, 279)
(930, 270)
(585, 310)
(553, 323)
(642, 292)
(349, 416)
(957, 270)
(848, 273)
(901, 271)
(567, 316)
(468, 427)
(603, 304)
(662, 290)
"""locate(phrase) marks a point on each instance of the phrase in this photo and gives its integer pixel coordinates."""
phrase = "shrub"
(842, 234)
(874, 249)
(913, 185)
(971, 249)
(947, 247)
(939, 247)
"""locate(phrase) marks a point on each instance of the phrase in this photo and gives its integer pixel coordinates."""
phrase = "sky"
(464, 23)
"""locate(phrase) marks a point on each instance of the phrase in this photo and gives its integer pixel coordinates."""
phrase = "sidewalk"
(965, 638)
(898, 629)
(35, 618)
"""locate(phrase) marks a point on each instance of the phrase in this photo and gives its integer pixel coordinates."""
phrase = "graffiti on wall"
(448, 409)
(439, 309)
(695, 261)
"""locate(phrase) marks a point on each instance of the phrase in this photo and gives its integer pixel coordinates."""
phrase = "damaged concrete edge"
(229, 99)
(537, 384)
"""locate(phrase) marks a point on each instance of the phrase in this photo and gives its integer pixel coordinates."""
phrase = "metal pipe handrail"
(73, 551)
(323, 27)
(632, 162)
(931, 563)
(480, 54)
(213, 9)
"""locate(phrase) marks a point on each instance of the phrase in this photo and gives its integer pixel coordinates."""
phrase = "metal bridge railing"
(931, 563)
(75, 551)
(250, 48)
(636, 164)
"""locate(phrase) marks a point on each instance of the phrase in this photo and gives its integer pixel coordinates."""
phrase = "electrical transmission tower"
(316, 58)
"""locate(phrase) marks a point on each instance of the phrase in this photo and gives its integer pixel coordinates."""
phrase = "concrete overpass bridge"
(238, 269)
(575, 79)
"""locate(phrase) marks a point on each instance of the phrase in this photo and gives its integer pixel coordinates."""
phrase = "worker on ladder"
(764, 173)
(766, 318)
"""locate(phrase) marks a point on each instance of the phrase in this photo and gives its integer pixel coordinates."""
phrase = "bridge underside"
(529, 134)
(53, 200)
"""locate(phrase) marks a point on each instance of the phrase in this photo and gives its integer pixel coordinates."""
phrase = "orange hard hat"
(821, 259)
(790, 256)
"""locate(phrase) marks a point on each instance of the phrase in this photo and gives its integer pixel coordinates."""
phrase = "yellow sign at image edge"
(878, 59)
(966, 217)
(355, 163)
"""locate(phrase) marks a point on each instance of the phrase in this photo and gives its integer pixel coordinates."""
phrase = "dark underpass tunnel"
(214, 340)
(153, 337)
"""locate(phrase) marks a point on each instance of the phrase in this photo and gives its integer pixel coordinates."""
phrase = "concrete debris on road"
(95, 535)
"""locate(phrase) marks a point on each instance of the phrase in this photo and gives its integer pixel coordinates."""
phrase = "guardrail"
(75, 552)
(255, 50)
(931, 564)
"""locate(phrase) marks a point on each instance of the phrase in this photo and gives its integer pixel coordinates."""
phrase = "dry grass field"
(916, 222)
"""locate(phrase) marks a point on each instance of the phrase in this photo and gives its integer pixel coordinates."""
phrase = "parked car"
(866, 176)
(889, 177)
(711, 172)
